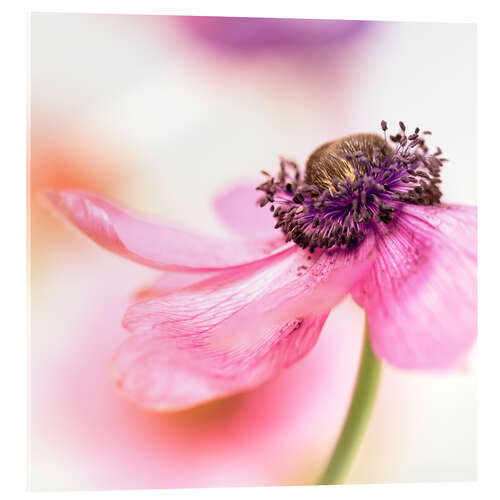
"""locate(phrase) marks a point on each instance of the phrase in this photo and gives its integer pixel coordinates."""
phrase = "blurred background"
(164, 113)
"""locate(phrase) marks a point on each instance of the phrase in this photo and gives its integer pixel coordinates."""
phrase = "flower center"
(330, 161)
(350, 186)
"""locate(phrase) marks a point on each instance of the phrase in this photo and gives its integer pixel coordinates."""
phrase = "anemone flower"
(365, 218)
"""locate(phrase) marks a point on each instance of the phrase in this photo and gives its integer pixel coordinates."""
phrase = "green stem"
(358, 416)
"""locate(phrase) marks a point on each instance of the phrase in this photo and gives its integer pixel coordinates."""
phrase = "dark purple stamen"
(350, 185)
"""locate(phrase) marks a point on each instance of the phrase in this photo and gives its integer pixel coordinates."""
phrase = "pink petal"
(232, 332)
(169, 282)
(76, 330)
(239, 210)
(152, 243)
(420, 296)
(158, 376)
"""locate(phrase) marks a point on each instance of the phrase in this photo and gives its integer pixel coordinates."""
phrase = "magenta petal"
(153, 243)
(232, 332)
(420, 296)
(239, 210)
(157, 376)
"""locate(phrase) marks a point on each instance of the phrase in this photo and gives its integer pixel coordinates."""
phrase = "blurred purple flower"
(244, 34)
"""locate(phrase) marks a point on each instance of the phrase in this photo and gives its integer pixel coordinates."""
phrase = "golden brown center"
(329, 161)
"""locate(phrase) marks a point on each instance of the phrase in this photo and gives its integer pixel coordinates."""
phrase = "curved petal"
(232, 332)
(420, 297)
(72, 396)
(152, 243)
(238, 208)
(159, 377)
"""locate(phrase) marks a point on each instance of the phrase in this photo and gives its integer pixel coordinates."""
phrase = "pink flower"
(365, 219)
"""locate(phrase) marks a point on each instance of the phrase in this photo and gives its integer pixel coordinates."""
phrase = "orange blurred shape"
(63, 164)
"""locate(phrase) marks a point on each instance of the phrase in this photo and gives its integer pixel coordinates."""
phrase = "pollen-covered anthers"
(419, 172)
(350, 186)
(308, 215)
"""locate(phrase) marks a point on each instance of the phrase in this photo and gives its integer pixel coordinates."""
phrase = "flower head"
(365, 219)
